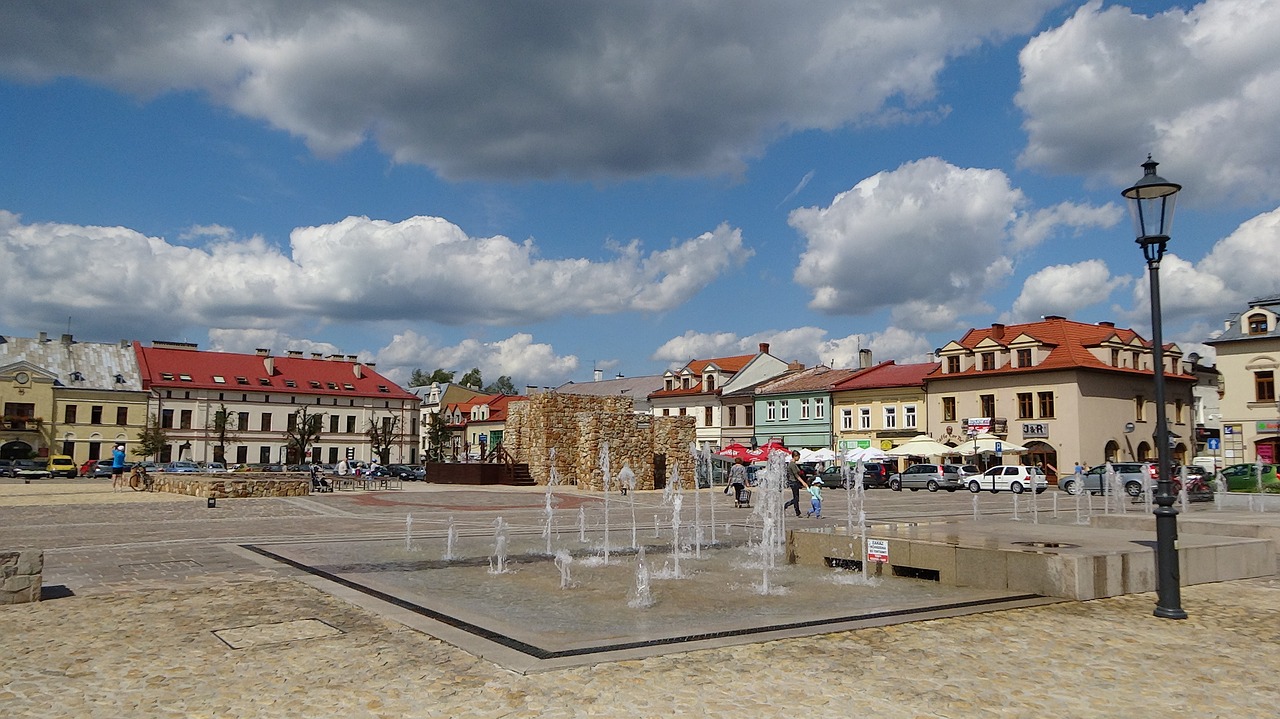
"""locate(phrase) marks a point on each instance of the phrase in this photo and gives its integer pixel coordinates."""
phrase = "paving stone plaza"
(153, 609)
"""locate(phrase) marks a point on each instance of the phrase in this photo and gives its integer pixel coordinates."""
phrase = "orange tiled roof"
(1070, 342)
(730, 365)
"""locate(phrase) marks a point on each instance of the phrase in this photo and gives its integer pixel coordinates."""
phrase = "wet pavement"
(167, 619)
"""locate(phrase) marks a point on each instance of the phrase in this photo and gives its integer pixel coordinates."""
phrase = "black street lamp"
(1151, 202)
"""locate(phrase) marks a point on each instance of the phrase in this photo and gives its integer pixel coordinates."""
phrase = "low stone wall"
(20, 575)
(237, 485)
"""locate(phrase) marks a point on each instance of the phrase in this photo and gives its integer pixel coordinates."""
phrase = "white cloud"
(927, 232)
(1199, 89)
(356, 269)
(485, 89)
(809, 345)
(518, 357)
(1186, 292)
(1245, 261)
(1064, 290)
(278, 341)
(1031, 229)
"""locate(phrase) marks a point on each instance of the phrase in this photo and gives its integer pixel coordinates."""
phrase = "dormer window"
(348, 387)
(242, 380)
(332, 385)
(669, 383)
(184, 377)
(709, 383)
(290, 383)
(1257, 324)
(1024, 358)
(1115, 357)
(988, 360)
(265, 382)
(384, 388)
(686, 382)
(219, 379)
(119, 378)
(1136, 364)
(166, 376)
(77, 377)
(953, 364)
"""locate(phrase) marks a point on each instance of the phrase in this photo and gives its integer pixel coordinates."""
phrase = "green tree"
(224, 427)
(152, 439)
(419, 378)
(302, 432)
(438, 437)
(502, 386)
(441, 375)
(472, 378)
(383, 433)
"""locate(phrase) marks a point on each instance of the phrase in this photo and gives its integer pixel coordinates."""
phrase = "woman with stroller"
(738, 481)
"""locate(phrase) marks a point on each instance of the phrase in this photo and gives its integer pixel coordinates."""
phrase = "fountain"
(498, 560)
(641, 595)
(627, 481)
(582, 524)
(451, 540)
(562, 561)
(677, 498)
(408, 532)
(606, 478)
(698, 466)
(549, 512)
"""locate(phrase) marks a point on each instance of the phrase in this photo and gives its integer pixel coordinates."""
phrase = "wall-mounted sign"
(993, 425)
(1268, 426)
(1035, 429)
(878, 550)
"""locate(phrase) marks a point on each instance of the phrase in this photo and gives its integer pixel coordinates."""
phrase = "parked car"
(214, 467)
(408, 472)
(1244, 477)
(6, 468)
(931, 477)
(60, 465)
(1133, 475)
(102, 468)
(874, 475)
(30, 469)
(1009, 477)
(180, 467)
(147, 466)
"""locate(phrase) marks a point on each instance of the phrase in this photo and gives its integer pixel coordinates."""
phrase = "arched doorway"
(1179, 454)
(1043, 455)
(1144, 452)
(17, 449)
(1111, 453)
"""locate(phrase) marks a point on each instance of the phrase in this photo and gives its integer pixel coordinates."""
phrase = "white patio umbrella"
(921, 446)
(985, 443)
(817, 455)
(866, 454)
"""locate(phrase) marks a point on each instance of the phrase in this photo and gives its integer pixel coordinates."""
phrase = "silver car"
(1133, 477)
(931, 477)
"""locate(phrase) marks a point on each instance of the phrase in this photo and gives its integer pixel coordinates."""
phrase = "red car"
(87, 467)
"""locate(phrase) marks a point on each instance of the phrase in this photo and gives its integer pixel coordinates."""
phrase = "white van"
(1209, 464)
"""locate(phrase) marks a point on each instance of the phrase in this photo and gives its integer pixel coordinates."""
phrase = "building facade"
(68, 397)
(1067, 391)
(881, 407)
(695, 390)
(795, 409)
(1248, 354)
(259, 399)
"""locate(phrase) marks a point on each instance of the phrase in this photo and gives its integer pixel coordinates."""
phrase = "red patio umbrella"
(766, 449)
(736, 451)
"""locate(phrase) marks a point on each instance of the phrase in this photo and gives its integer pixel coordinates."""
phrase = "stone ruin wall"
(577, 425)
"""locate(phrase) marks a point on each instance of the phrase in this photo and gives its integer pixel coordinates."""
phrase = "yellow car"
(60, 465)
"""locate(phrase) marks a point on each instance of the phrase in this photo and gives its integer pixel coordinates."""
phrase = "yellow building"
(67, 397)
(881, 407)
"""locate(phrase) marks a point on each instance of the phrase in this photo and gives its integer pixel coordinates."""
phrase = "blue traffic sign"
(1214, 443)
(999, 448)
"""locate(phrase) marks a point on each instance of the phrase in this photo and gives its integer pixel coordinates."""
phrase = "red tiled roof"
(1068, 339)
(814, 379)
(730, 365)
(888, 374)
(497, 407)
(162, 367)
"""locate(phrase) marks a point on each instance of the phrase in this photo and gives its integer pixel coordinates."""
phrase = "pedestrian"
(343, 467)
(815, 498)
(738, 479)
(795, 480)
(117, 468)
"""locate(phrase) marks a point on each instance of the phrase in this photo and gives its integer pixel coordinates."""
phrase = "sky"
(545, 188)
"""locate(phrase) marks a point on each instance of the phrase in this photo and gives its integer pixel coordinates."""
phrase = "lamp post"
(1151, 202)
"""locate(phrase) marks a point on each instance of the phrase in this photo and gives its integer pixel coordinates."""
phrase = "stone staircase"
(519, 475)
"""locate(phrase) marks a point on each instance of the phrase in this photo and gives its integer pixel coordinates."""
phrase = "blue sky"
(545, 188)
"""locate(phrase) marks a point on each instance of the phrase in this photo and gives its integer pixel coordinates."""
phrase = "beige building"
(1068, 391)
(695, 390)
(1248, 355)
(67, 397)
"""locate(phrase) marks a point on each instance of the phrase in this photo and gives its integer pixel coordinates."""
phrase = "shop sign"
(1039, 430)
(978, 425)
(1268, 426)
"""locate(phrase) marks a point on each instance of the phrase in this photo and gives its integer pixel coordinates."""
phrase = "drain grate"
(1047, 545)
(167, 566)
(258, 635)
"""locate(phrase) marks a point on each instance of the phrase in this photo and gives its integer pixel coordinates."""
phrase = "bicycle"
(140, 481)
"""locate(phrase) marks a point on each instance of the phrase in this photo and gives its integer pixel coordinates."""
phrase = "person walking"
(815, 498)
(738, 479)
(117, 468)
(795, 480)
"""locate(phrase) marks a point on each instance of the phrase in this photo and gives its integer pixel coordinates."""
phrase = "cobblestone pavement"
(150, 634)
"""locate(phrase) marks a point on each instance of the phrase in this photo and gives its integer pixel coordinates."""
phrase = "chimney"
(997, 331)
(1106, 324)
(66, 340)
(864, 358)
(44, 337)
(764, 348)
(353, 358)
(294, 353)
(264, 351)
(530, 390)
(620, 376)
(317, 355)
(597, 375)
(795, 365)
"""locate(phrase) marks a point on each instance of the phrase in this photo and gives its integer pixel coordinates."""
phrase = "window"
(266, 421)
(290, 383)
(1046, 404)
(864, 418)
(948, 409)
(890, 417)
(953, 365)
(315, 384)
(265, 382)
(166, 418)
(69, 416)
(909, 416)
(1264, 385)
(1135, 357)
(69, 448)
(242, 454)
(1177, 411)
(122, 416)
(264, 454)
(184, 377)
(1257, 324)
(683, 412)
(666, 412)
(351, 424)
(219, 379)
(184, 419)
(242, 380)
(988, 360)
(706, 416)
(770, 411)
(1140, 408)
(733, 416)
(1115, 357)
(95, 450)
(668, 383)
(1024, 358)
(333, 455)
(804, 409)
(709, 383)
(846, 419)
(751, 415)
(784, 410)
(686, 382)
(333, 423)
(242, 423)
(95, 414)
(1025, 406)
(291, 422)
(819, 408)
(988, 402)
